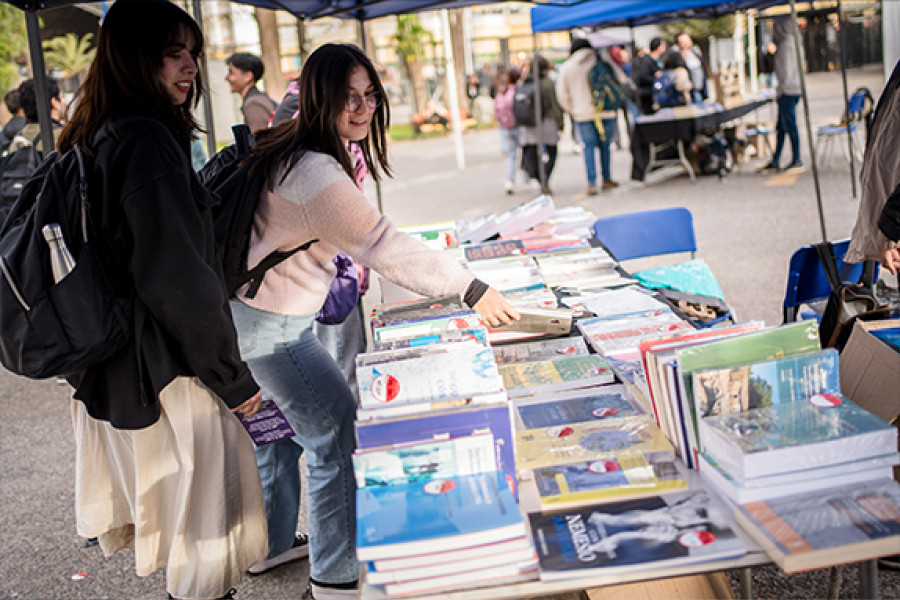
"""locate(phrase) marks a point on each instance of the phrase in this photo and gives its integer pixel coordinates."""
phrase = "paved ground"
(747, 227)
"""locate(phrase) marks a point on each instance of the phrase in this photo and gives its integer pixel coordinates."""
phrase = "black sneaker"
(795, 167)
(229, 595)
(769, 168)
(299, 549)
(890, 562)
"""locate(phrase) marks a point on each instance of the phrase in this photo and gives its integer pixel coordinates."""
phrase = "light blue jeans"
(295, 370)
(590, 137)
(509, 145)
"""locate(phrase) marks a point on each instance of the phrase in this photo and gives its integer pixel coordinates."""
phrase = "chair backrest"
(807, 282)
(647, 233)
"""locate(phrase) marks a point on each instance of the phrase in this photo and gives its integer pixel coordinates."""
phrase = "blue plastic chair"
(807, 282)
(647, 233)
(827, 136)
(651, 233)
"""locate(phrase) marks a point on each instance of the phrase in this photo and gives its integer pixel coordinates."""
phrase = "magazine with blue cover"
(440, 514)
(450, 424)
(578, 406)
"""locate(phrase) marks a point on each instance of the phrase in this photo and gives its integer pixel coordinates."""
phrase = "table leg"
(684, 160)
(747, 583)
(868, 580)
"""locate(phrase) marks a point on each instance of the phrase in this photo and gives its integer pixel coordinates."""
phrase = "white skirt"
(184, 492)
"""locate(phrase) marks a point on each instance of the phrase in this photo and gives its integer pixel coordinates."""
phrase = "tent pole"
(453, 90)
(843, 45)
(539, 122)
(207, 100)
(39, 75)
(752, 51)
(809, 133)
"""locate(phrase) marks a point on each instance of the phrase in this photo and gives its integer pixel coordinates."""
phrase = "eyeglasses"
(355, 101)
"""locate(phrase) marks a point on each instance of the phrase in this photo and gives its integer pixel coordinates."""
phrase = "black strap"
(829, 264)
(257, 273)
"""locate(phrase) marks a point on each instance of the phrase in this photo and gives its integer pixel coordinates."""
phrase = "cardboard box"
(870, 372)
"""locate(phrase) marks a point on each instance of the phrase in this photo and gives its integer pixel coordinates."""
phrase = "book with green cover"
(576, 442)
(621, 477)
(783, 340)
(764, 383)
(567, 372)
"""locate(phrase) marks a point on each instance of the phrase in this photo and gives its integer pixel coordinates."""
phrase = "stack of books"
(435, 466)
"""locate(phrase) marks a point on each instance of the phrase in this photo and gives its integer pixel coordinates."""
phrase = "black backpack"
(15, 169)
(228, 176)
(50, 328)
(523, 104)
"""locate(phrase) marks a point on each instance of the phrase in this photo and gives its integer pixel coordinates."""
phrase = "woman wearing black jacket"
(162, 463)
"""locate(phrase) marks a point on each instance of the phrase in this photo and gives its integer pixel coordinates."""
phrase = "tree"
(270, 49)
(13, 46)
(70, 54)
(410, 38)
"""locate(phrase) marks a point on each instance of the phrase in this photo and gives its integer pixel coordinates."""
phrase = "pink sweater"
(318, 201)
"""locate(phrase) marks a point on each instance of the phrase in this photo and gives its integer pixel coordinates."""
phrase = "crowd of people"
(662, 74)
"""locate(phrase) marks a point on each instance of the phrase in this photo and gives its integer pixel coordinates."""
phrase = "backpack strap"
(825, 251)
(257, 273)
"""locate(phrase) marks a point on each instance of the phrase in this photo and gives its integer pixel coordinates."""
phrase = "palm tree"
(410, 38)
(70, 54)
(13, 46)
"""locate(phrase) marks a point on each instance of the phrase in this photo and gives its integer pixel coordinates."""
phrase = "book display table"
(605, 469)
(675, 127)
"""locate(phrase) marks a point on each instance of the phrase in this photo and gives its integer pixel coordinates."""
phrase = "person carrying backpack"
(24, 153)
(506, 122)
(577, 96)
(162, 464)
(311, 193)
(546, 132)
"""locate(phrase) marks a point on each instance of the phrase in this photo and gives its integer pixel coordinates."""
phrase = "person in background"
(17, 119)
(573, 90)
(876, 234)
(695, 65)
(550, 126)
(244, 71)
(311, 194)
(630, 112)
(161, 463)
(787, 95)
(506, 122)
(645, 69)
(767, 65)
(28, 101)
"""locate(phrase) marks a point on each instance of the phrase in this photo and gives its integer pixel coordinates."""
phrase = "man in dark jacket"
(645, 71)
(16, 122)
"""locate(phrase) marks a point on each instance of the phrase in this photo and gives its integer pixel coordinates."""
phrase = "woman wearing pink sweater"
(312, 195)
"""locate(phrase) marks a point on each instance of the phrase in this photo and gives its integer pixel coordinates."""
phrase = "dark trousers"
(787, 127)
(530, 161)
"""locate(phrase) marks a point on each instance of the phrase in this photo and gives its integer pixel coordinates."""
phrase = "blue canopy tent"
(632, 13)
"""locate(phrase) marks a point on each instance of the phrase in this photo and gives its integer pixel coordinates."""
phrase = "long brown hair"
(324, 89)
(124, 77)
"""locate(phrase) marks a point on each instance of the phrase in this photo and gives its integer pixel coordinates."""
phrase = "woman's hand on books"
(250, 407)
(890, 260)
(495, 310)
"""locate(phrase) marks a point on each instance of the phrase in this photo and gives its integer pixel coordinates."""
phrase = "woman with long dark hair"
(311, 194)
(162, 464)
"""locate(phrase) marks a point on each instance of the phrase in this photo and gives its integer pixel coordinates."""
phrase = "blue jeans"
(787, 126)
(509, 144)
(295, 370)
(591, 139)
